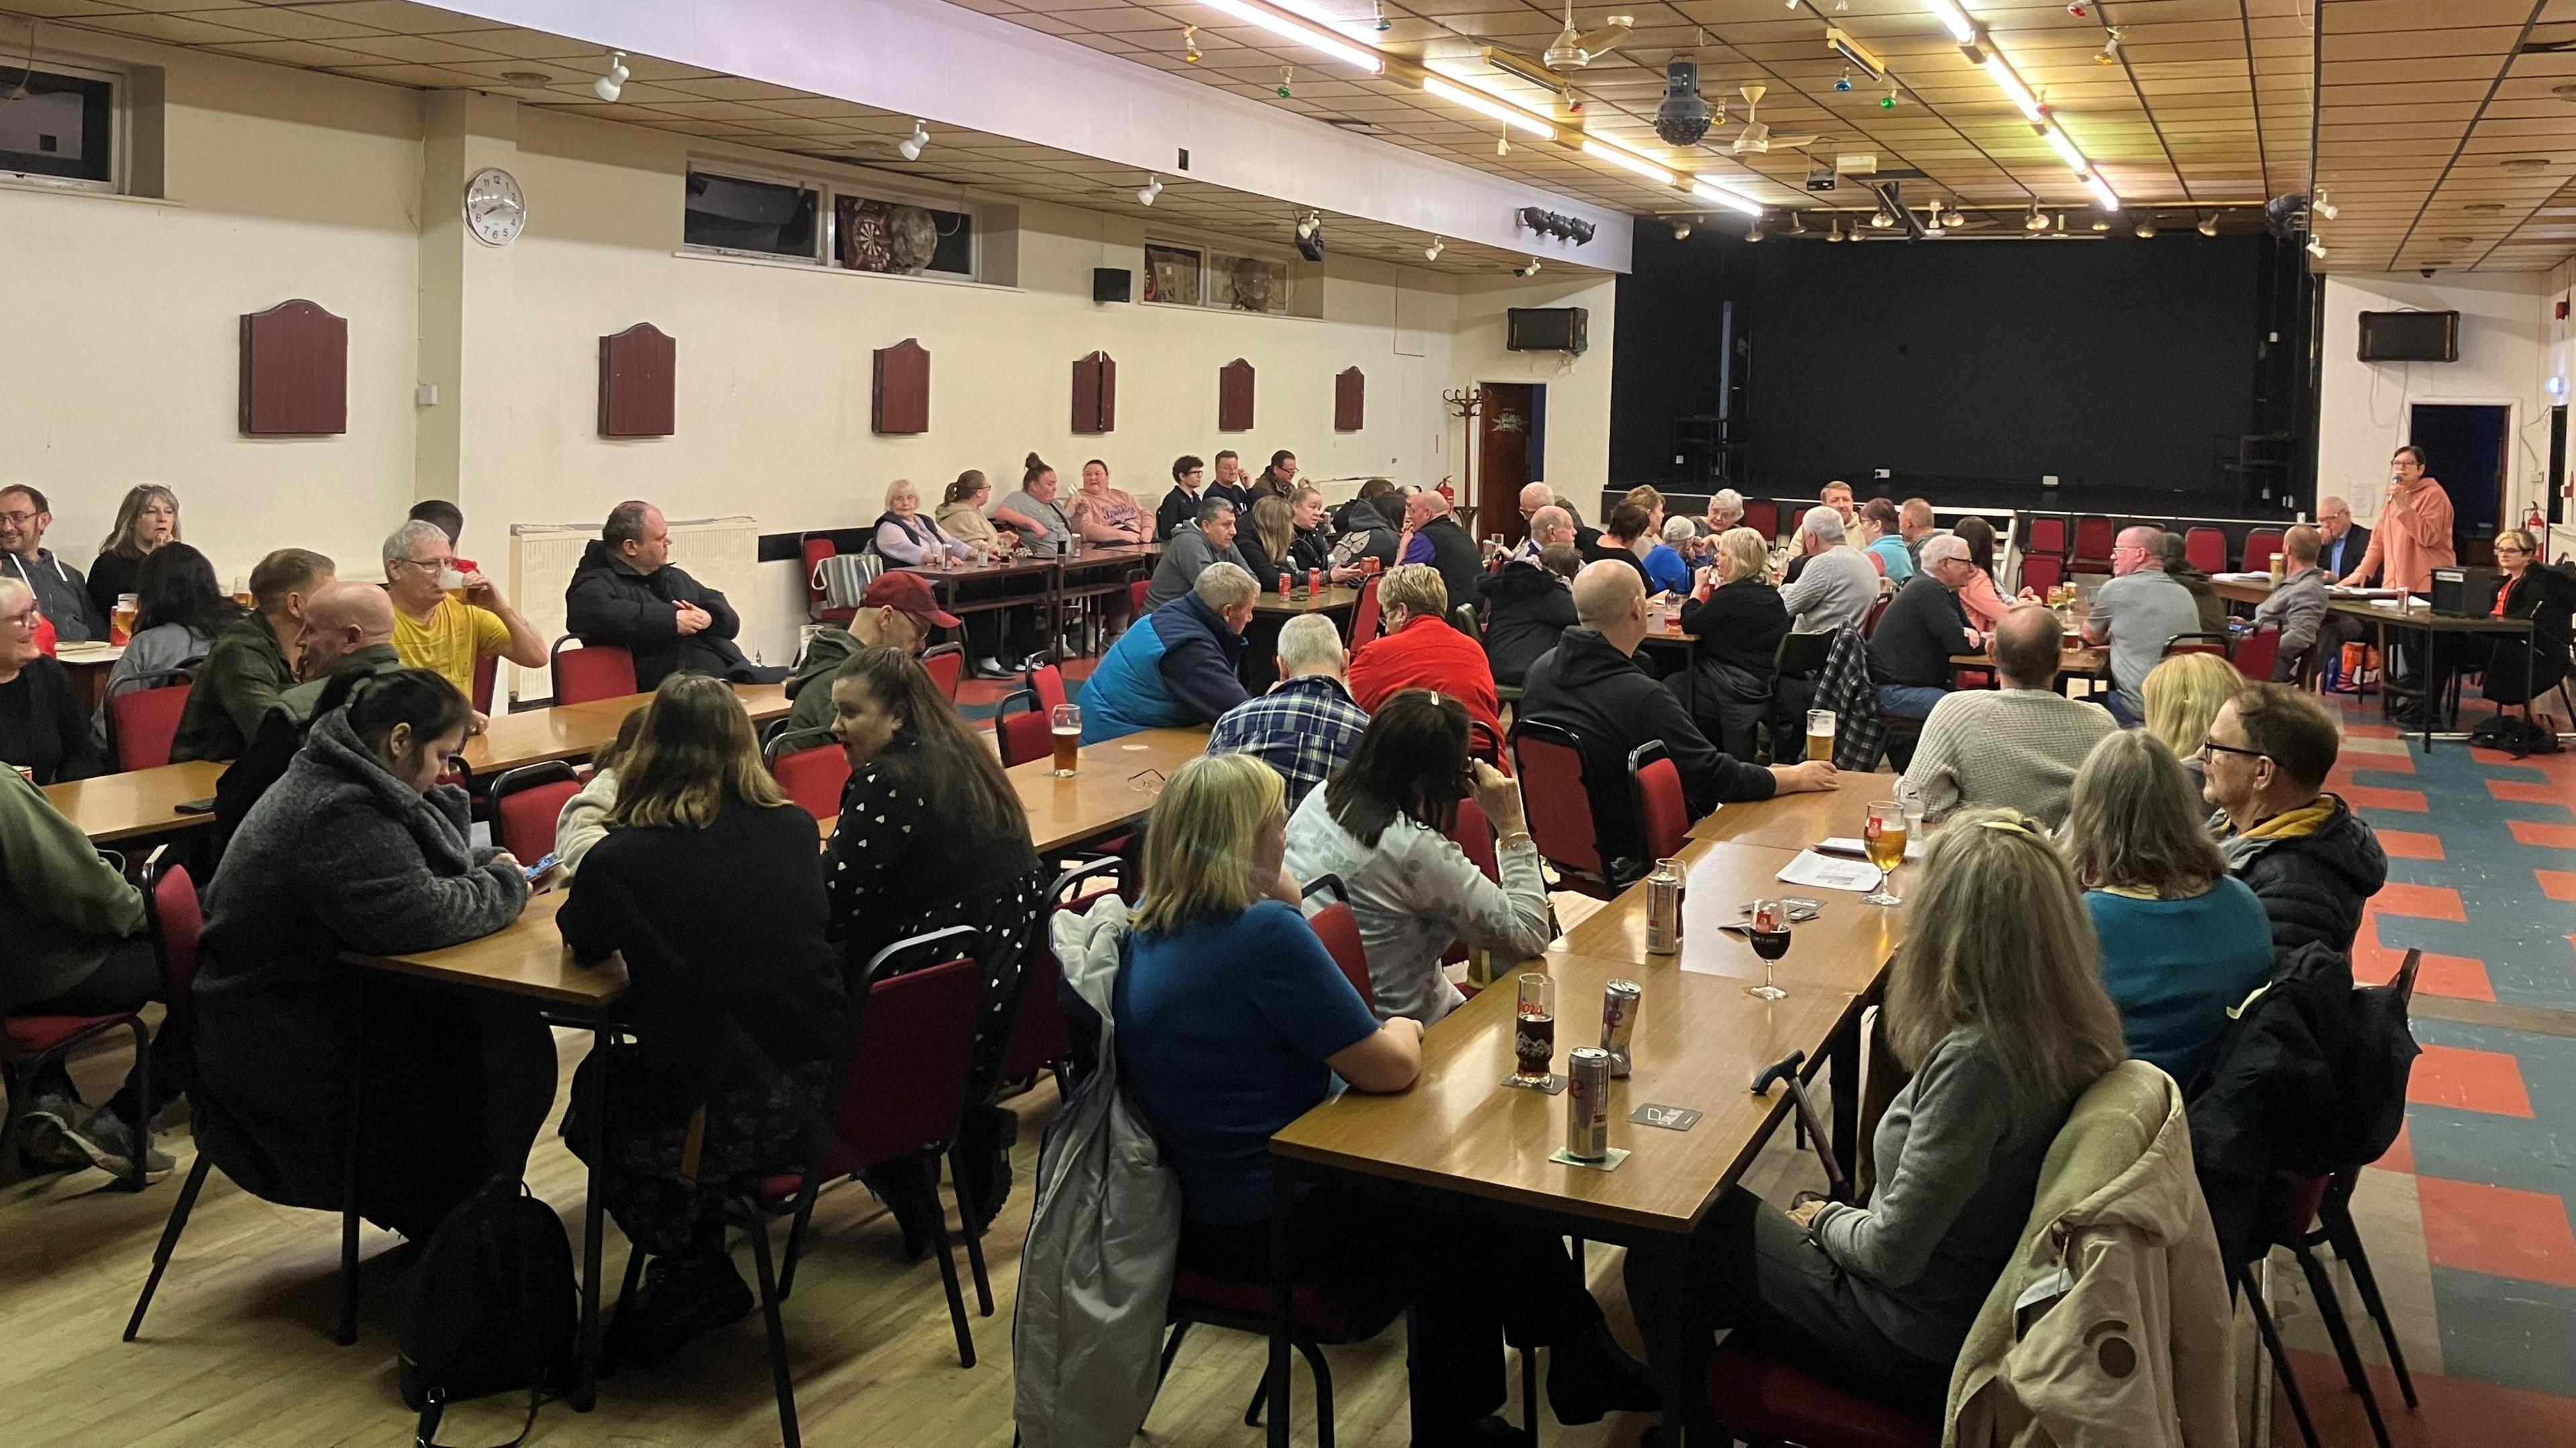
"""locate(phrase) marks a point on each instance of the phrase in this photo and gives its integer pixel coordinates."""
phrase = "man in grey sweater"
(2019, 745)
(1191, 550)
(2137, 613)
(1836, 587)
(2298, 602)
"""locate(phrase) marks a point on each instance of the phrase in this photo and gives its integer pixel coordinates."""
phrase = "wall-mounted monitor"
(2410, 336)
(1548, 329)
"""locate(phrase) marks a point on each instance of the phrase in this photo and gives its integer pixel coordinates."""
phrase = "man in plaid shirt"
(1307, 726)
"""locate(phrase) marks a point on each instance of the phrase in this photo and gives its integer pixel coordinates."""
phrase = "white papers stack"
(1824, 872)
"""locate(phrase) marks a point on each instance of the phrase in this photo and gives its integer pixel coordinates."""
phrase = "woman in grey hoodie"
(360, 848)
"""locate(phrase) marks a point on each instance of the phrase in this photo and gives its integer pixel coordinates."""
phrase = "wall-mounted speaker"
(1111, 283)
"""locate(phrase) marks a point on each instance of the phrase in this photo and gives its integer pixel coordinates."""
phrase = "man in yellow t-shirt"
(434, 629)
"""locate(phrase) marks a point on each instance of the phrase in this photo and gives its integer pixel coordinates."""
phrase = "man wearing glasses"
(2138, 612)
(448, 621)
(61, 593)
(2305, 854)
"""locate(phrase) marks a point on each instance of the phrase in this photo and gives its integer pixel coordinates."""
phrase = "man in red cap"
(897, 612)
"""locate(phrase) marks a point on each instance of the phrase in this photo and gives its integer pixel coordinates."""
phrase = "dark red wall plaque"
(294, 371)
(1095, 393)
(638, 369)
(1234, 396)
(1350, 400)
(903, 388)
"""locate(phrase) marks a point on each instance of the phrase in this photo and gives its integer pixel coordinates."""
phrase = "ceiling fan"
(1756, 135)
(1573, 51)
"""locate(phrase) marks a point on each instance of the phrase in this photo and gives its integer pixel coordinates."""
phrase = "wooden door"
(1503, 431)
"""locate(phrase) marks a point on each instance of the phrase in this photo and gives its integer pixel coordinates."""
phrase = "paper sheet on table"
(1824, 872)
(1845, 845)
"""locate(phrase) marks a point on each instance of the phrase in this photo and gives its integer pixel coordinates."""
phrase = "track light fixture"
(2326, 208)
(1549, 223)
(1842, 83)
(1837, 233)
(1879, 220)
(609, 86)
(1432, 252)
(1797, 223)
(1526, 272)
(2145, 229)
(1682, 229)
(1952, 217)
(2109, 54)
(2208, 225)
(1887, 102)
(2317, 248)
(910, 146)
(1152, 188)
(1310, 236)
(2036, 221)
(1190, 45)
(1753, 231)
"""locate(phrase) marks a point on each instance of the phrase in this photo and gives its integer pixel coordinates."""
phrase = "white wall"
(292, 184)
(2510, 348)
(124, 315)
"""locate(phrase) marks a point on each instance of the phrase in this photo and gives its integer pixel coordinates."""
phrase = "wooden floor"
(238, 1347)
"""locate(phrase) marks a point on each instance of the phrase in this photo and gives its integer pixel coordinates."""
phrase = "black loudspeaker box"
(2465, 592)
(1111, 283)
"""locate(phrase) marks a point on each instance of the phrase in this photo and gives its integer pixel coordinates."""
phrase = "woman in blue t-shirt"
(1233, 1022)
(2182, 940)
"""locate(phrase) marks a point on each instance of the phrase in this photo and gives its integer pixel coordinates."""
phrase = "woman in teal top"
(2182, 940)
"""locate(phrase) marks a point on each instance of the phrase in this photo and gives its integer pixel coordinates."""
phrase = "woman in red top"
(1420, 649)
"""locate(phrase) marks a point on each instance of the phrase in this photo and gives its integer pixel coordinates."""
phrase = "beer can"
(1283, 585)
(1587, 1103)
(1619, 1021)
(1314, 581)
(1663, 911)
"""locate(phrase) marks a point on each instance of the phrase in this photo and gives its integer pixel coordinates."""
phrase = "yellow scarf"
(2295, 824)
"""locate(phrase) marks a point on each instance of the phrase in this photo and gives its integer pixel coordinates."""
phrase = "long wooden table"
(143, 802)
(1115, 782)
(1463, 1140)
(526, 963)
(2417, 615)
(1333, 598)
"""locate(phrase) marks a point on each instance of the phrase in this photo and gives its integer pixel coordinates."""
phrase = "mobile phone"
(204, 806)
(540, 867)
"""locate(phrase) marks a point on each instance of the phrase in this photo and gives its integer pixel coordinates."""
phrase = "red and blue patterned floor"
(2467, 1220)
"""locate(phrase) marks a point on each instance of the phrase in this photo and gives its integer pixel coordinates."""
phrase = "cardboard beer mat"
(1610, 1162)
(1552, 1085)
(1670, 1118)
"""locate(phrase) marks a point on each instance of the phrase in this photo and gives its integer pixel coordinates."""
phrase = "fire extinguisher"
(2539, 531)
(1448, 492)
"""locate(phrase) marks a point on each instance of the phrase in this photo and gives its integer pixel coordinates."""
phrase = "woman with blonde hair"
(146, 519)
(2183, 694)
(2182, 940)
(709, 887)
(1739, 621)
(1232, 1023)
(1269, 543)
(1995, 1004)
(905, 534)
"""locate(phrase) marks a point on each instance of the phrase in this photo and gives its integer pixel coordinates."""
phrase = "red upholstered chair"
(1869, 625)
(1047, 682)
(1339, 929)
(1364, 615)
(813, 549)
(809, 765)
(1663, 808)
(1475, 836)
(29, 1043)
(526, 802)
(2206, 549)
(2198, 643)
(2041, 572)
(1763, 517)
(1319, 1316)
(946, 665)
(487, 669)
(2047, 536)
(1770, 1404)
(1026, 735)
(2256, 653)
(1136, 592)
(1549, 761)
(1041, 1036)
(142, 721)
(587, 672)
(2261, 547)
(2093, 539)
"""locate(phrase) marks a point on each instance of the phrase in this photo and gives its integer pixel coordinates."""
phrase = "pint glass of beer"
(1067, 724)
(121, 622)
(1820, 734)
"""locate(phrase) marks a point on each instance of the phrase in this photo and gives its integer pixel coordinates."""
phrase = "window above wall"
(734, 210)
(1186, 274)
(62, 126)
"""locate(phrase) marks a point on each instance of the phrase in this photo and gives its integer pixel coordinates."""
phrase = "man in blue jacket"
(1176, 666)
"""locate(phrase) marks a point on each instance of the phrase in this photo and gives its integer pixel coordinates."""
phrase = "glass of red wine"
(1770, 937)
(1534, 1027)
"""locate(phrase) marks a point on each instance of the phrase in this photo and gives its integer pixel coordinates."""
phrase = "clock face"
(494, 210)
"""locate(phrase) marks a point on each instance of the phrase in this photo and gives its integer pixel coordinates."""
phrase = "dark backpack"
(491, 1307)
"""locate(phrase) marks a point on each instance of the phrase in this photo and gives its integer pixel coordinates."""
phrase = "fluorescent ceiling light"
(2065, 150)
(1490, 107)
(1653, 171)
(1955, 20)
(1304, 34)
(2008, 81)
(1711, 191)
(2103, 195)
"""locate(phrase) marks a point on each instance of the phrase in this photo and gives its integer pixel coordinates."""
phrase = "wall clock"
(494, 210)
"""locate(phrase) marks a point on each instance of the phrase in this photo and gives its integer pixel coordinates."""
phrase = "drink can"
(1663, 911)
(1314, 582)
(1587, 1103)
(1619, 1021)
(1283, 586)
